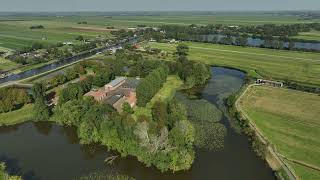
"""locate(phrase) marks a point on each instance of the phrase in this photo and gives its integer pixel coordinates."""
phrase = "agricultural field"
(300, 67)
(290, 121)
(17, 34)
(15, 31)
(313, 35)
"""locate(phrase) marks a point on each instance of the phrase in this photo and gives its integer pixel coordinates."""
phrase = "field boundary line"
(302, 163)
(264, 140)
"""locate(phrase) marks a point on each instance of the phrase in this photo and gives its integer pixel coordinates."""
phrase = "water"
(50, 152)
(60, 63)
(256, 42)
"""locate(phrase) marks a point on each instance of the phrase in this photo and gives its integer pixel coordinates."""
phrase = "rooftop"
(115, 82)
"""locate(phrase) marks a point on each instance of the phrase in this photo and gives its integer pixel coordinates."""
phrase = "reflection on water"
(49, 152)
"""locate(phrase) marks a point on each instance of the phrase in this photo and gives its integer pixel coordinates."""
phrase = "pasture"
(313, 35)
(15, 31)
(17, 34)
(290, 121)
(300, 67)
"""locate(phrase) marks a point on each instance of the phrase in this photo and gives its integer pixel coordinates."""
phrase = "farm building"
(270, 83)
(114, 84)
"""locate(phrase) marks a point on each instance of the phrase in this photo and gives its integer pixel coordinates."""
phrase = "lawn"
(17, 116)
(6, 64)
(290, 121)
(313, 35)
(166, 93)
(300, 67)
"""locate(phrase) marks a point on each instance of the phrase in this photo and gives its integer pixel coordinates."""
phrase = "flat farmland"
(290, 121)
(313, 35)
(17, 34)
(300, 67)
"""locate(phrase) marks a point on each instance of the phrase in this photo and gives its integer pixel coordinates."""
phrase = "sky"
(157, 5)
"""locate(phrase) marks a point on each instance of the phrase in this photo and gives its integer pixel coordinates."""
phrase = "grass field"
(166, 93)
(313, 35)
(6, 64)
(17, 34)
(18, 116)
(301, 67)
(290, 121)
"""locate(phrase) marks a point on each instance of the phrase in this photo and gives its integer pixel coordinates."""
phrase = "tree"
(39, 90)
(41, 110)
(126, 108)
(182, 50)
(159, 112)
(79, 38)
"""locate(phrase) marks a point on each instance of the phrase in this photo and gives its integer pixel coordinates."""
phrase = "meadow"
(15, 32)
(313, 35)
(290, 121)
(300, 67)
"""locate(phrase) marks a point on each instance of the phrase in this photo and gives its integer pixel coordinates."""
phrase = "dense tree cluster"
(12, 98)
(37, 27)
(68, 75)
(151, 84)
(41, 110)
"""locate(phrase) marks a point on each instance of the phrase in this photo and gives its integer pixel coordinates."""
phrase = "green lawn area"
(18, 116)
(290, 121)
(300, 67)
(166, 93)
(6, 64)
(313, 35)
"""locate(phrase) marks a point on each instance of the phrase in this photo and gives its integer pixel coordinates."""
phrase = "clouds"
(146, 5)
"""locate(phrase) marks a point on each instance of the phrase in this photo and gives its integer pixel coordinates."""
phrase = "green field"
(17, 116)
(290, 121)
(301, 67)
(6, 64)
(313, 35)
(166, 93)
(17, 34)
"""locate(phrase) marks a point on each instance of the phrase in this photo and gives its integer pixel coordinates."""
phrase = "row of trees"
(68, 75)
(151, 84)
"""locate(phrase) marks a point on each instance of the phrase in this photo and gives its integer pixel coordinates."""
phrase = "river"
(49, 152)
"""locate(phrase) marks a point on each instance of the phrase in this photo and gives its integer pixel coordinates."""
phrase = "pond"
(49, 152)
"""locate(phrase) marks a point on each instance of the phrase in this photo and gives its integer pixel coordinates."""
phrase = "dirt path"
(273, 153)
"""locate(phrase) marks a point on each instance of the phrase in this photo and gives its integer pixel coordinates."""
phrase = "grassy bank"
(313, 35)
(301, 67)
(166, 93)
(289, 120)
(18, 116)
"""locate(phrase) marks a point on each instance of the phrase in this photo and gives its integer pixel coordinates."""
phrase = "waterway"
(45, 151)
